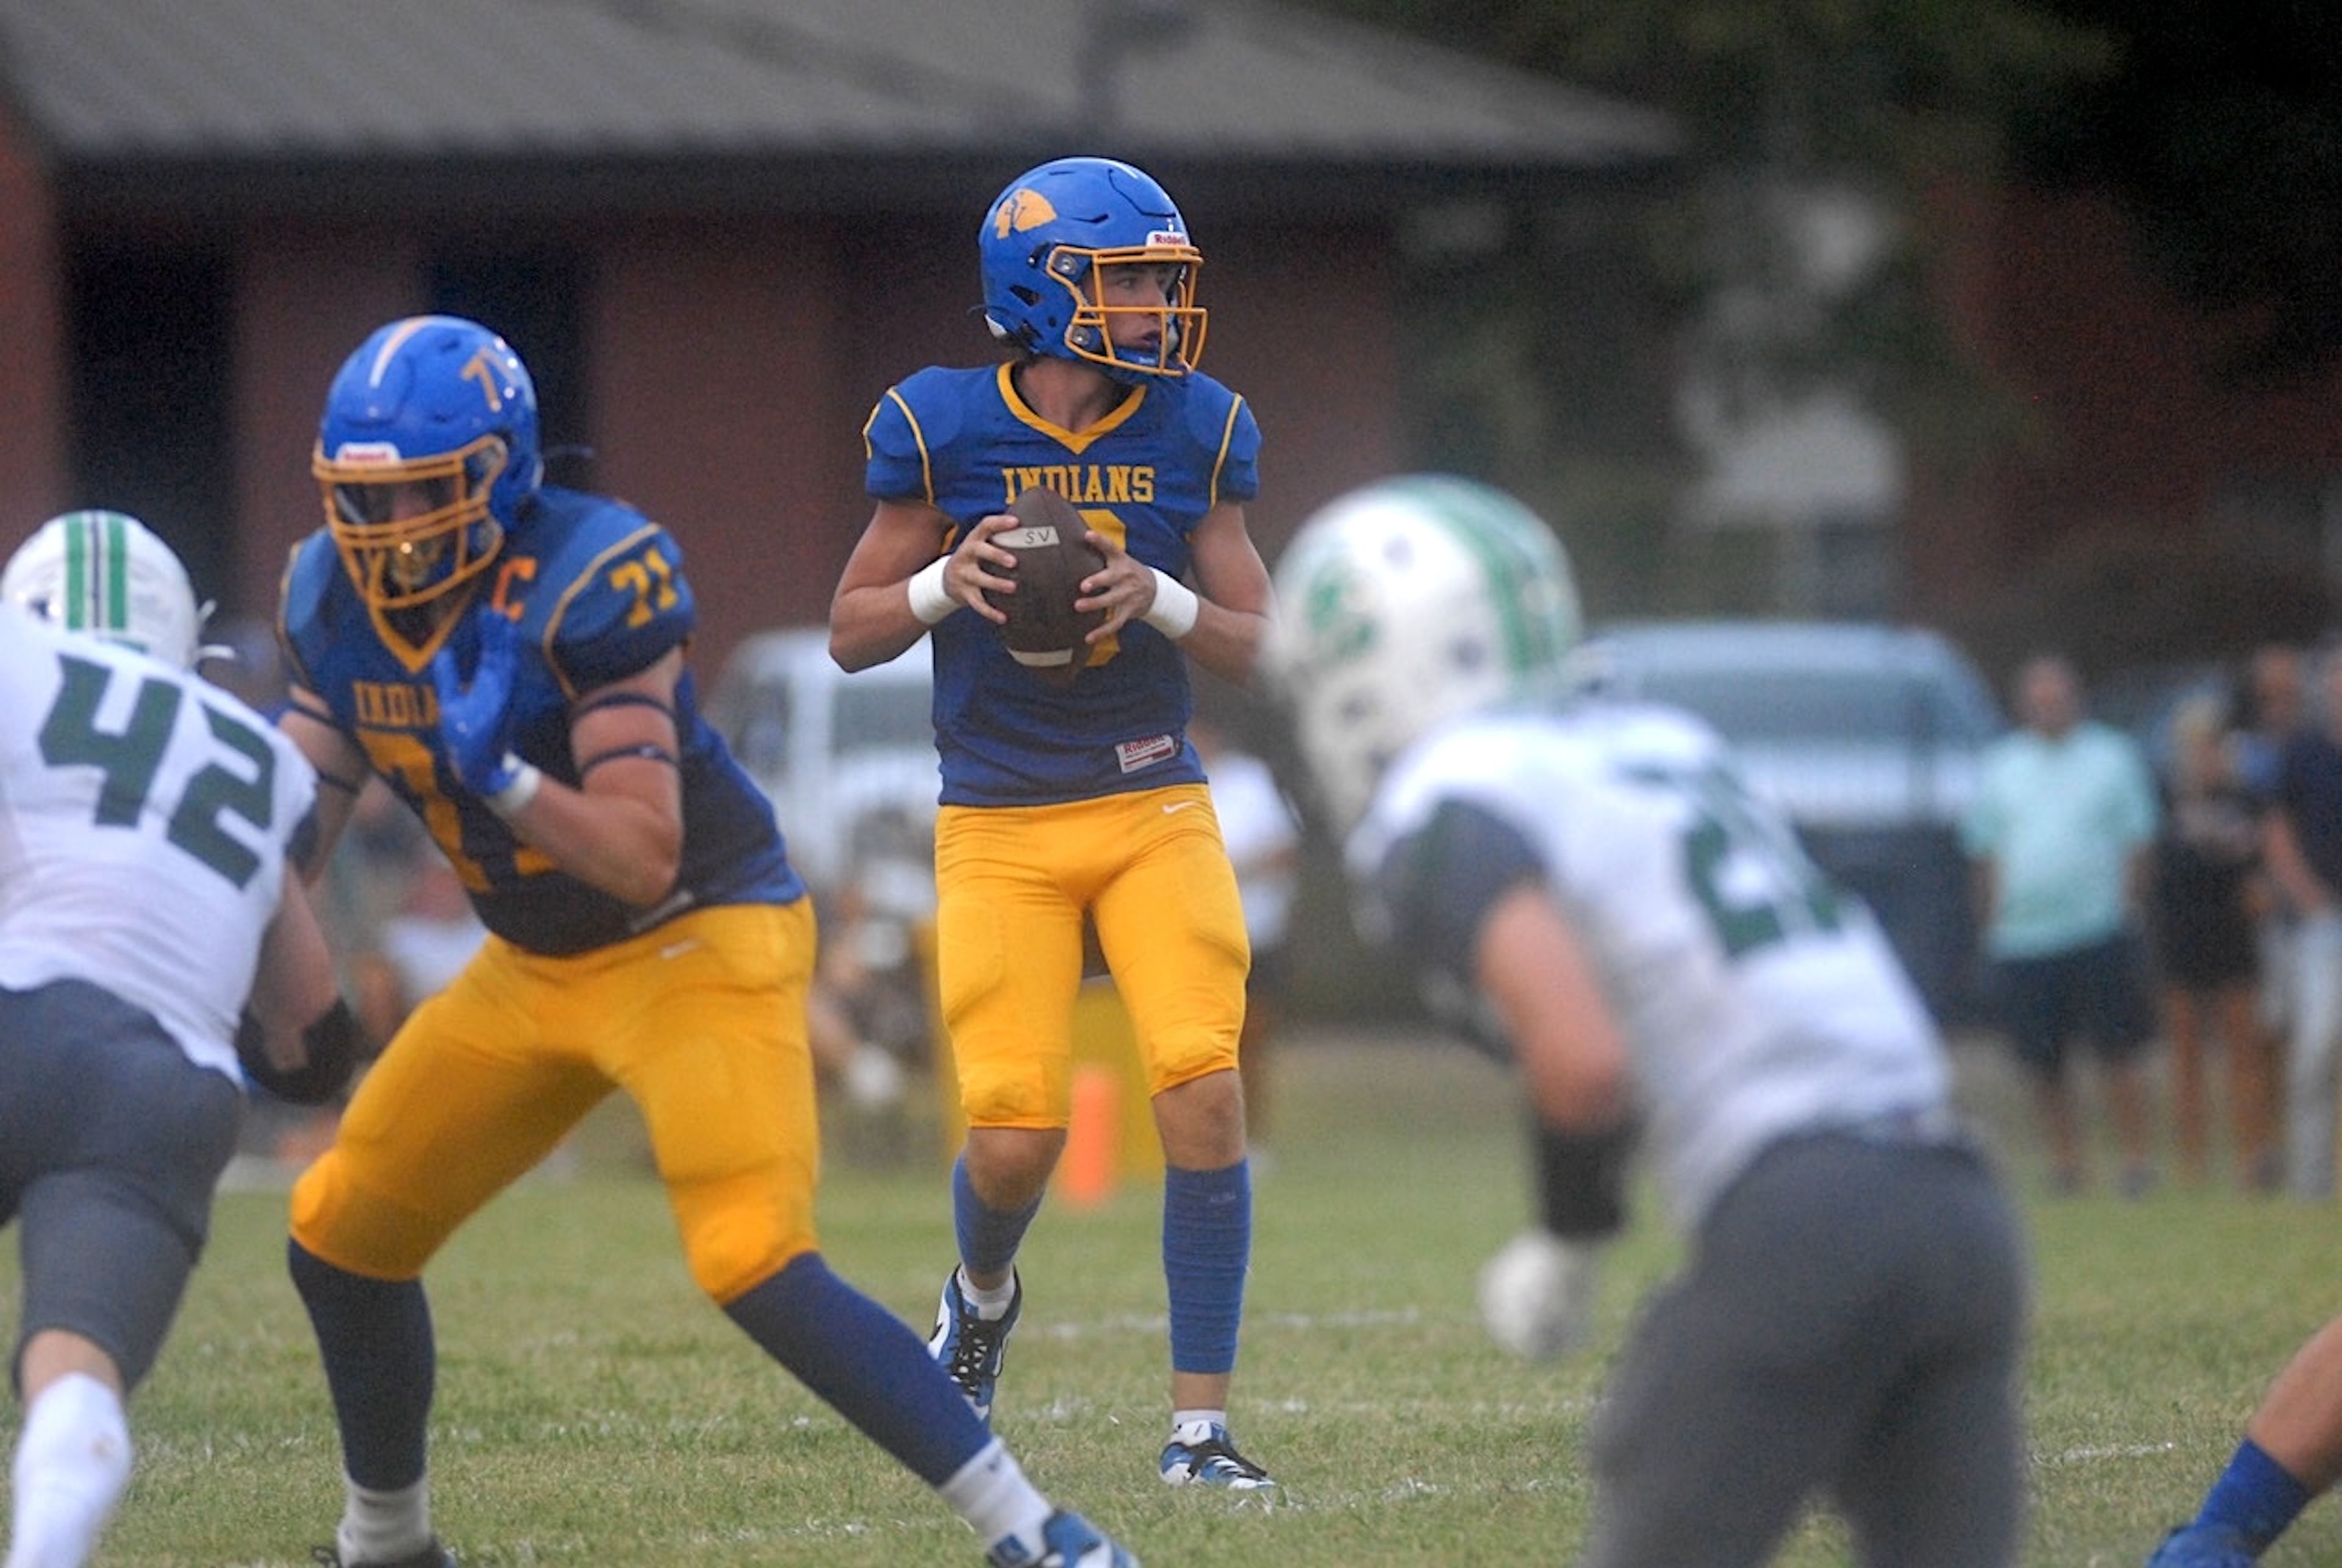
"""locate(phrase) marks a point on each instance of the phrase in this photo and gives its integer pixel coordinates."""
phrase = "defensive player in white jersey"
(155, 948)
(1597, 890)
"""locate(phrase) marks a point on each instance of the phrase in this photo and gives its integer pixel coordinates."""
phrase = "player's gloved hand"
(475, 722)
(1537, 1294)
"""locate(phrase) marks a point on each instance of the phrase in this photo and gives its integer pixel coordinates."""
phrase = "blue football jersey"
(598, 592)
(965, 443)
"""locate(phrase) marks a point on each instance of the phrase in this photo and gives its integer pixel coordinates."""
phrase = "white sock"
(1194, 1426)
(990, 1493)
(384, 1526)
(990, 1303)
(73, 1461)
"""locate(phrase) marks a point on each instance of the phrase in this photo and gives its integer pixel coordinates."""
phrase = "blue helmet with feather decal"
(1055, 246)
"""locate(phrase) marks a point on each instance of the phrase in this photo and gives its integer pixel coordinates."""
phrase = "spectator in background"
(870, 988)
(422, 945)
(2208, 894)
(2268, 714)
(2060, 835)
(2304, 842)
(1264, 843)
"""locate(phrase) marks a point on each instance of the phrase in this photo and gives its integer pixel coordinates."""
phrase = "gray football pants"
(1849, 1328)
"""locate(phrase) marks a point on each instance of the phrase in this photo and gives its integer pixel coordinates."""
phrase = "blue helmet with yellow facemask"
(426, 449)
(1050, 244)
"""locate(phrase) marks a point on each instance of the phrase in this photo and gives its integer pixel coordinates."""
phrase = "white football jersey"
(145, 816)
(1757, 998)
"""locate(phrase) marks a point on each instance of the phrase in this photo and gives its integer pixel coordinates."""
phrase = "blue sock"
(988, 1237)
(865, 1363)
(2256, 1496)
(1207, 1248)
(374, 1338)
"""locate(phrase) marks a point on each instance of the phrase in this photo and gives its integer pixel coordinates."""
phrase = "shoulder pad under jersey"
(309, 612)
(912, 421)
(610, 597)
(1221, 425)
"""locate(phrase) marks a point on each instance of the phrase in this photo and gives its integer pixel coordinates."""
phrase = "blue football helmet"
(1051, 246)
(427, 450)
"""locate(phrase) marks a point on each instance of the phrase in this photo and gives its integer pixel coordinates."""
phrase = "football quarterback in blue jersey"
(508, 657)
(1068, 803)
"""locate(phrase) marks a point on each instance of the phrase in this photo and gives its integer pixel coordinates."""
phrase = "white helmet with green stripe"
(106, 573)
(1405, 604)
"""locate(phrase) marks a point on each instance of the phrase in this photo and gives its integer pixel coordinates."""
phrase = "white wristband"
(1176, 606)
(930, 599)
(507, 802)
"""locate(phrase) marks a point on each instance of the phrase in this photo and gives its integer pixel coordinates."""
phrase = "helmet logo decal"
(482, 368)
(1022, 208)
(1330, 606)
(1168, 237)
(105, 574)
(392, 342)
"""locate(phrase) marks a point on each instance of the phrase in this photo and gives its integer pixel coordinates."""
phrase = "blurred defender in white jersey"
(1591, 885)
(155, 948)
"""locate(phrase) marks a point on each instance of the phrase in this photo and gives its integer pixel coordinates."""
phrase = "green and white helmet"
(1409, 602)
(106, 573)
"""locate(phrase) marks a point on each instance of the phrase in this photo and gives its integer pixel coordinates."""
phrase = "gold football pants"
(1013, 887)
(701, 1021)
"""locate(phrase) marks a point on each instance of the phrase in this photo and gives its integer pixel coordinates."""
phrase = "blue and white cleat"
(2203, 1546)
(969, 1345)
(1068, 1541)
(1200, 1454)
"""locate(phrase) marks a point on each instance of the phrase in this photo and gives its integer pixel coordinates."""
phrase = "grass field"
(593, 1409)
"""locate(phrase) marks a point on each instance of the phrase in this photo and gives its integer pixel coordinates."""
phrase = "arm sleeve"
(1438, 883)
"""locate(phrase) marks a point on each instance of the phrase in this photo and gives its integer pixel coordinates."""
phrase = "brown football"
(1044, 633)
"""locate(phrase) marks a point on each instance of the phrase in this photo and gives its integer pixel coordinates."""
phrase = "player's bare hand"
(1124, 588)
(978, 566)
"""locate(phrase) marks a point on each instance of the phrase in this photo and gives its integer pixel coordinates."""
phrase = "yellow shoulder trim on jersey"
(1220, 458)
(577, 584)
(284, 629)
(919, 437)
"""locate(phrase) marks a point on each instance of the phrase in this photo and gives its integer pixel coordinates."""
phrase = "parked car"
(1869, 735)
(840, 755)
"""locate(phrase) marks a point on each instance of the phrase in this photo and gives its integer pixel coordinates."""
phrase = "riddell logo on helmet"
(368, 454)
(1168, 237)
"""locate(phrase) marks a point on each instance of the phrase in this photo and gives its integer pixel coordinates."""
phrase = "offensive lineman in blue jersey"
(1068, 802)
(509, 657)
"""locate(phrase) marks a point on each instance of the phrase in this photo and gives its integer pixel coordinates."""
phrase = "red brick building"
(2144, 506)
(716, 231)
